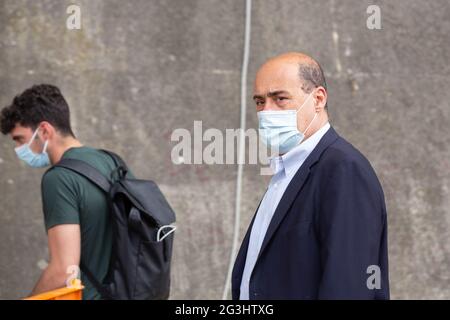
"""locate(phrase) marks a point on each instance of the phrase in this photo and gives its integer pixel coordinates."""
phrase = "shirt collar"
(291, 161)
(276, 164)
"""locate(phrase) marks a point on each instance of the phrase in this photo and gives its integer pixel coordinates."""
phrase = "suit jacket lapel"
(295, 186)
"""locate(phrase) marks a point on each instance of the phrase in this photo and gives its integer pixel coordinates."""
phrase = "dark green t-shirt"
(69, 198)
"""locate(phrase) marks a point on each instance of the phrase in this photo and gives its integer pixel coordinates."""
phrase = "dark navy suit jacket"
(328, 236)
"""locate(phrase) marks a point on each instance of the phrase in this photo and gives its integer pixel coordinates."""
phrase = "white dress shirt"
(284, 168)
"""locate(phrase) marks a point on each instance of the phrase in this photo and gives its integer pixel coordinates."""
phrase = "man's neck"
(56, 154)
(323, 122)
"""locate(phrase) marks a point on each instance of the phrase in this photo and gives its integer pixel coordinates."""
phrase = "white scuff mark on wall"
(335, 37)
(94, 120)
(355, 85)
(348, 51)
(337, 59)
(42, 264)
(222, 71)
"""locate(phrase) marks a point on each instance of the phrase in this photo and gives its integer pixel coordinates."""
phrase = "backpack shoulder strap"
(121, 166)
(87, 171)
(102, 290)
(117, 159)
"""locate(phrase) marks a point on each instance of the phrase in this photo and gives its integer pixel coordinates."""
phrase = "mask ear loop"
(45, 146)
(310, 123)
(304, 102)
(33, 137)
(307, 128)
(45, 143)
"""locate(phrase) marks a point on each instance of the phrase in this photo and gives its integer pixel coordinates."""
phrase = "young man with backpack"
(89, 202)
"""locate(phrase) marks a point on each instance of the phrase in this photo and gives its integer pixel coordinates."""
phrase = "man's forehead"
(275, 90)
(277, 80)
(279, 68)
(20, 130)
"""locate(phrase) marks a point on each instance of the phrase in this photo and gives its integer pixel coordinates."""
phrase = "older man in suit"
(320, 231)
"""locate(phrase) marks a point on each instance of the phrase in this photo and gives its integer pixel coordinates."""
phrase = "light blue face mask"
(278, 129)
(35, 160)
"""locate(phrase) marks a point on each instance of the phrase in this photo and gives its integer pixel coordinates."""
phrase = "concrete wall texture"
(139, 69)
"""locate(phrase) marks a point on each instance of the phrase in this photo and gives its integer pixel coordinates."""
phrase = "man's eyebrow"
(271, 94)
(276, 93)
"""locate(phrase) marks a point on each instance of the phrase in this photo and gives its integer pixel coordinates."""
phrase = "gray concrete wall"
(139, 69)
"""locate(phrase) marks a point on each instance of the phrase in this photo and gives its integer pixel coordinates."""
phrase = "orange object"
(73, 292)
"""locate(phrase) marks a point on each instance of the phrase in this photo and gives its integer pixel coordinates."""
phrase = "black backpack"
(142, 222)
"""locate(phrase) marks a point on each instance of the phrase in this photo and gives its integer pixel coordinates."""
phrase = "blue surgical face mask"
(278, 129)
(35, 160)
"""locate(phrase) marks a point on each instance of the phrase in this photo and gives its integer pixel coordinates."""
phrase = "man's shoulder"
(94, 157)
(344, 164)
(85, 153)
(342, 160)
(57, 176)
(342, 152)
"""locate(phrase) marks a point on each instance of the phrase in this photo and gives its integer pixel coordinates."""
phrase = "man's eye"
(282, 98)
(259, 103)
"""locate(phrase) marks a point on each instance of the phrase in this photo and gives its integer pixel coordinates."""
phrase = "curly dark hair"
(39, 103)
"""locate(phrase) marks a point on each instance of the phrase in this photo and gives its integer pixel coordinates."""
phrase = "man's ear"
(320, 99)
(47, 130)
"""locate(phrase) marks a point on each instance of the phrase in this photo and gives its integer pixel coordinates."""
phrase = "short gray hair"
(311, 75)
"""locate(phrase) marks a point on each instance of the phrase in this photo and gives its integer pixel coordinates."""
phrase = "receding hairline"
(298, 59)
(310, 72)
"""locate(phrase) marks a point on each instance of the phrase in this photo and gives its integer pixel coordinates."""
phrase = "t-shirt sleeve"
(59, 198)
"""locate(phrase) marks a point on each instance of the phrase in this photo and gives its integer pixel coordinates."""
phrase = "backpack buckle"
(119, 173)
